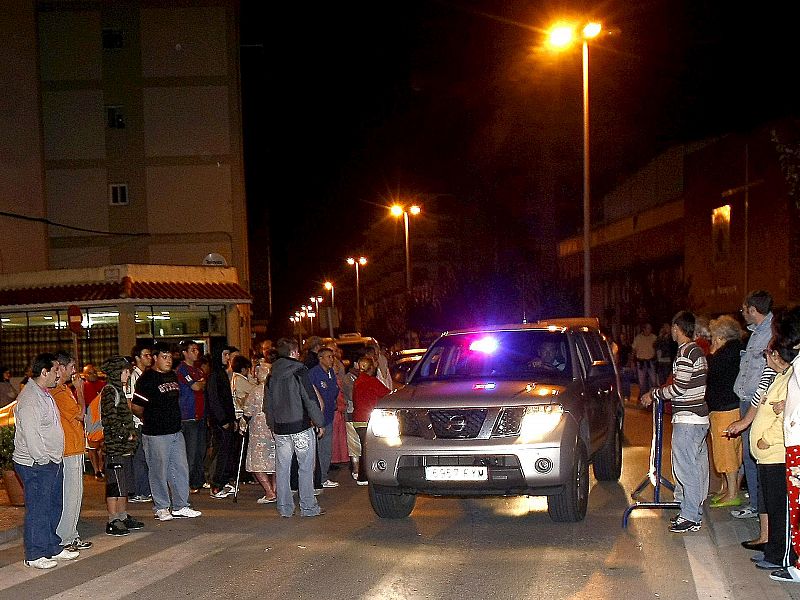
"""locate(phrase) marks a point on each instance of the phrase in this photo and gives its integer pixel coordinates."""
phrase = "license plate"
(456, 474)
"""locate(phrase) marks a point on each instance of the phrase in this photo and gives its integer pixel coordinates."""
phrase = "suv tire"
(607, 463)
(570, 505)
(389, 505)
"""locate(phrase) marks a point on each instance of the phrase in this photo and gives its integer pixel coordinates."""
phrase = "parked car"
(402, 362)
(352, 346)
(511, 410)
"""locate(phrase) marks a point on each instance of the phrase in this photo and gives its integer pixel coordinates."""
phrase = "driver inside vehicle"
(549, 357)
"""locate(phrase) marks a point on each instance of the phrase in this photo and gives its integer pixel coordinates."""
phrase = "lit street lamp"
(328, 285)
(397, 211)
(561, 36)
(361, 261)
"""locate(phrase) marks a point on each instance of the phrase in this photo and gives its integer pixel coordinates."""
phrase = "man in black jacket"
(222, 419)
(291, 408)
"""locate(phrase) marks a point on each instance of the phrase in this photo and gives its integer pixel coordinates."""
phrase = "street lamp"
(357, 262)
(328, 285)
(561, 36)
(397, 210)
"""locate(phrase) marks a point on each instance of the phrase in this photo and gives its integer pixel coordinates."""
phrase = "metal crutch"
(239, 468)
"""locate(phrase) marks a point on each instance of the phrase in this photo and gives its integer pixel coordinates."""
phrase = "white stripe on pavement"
(17, 573)
(707, 571)
(128, 580)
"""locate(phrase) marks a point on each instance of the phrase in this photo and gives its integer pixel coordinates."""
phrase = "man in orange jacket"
(71, 411)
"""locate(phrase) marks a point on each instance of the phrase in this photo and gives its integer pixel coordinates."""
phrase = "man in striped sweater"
(689, 424)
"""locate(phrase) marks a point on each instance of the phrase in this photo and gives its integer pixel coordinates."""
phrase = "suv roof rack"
(571, 322)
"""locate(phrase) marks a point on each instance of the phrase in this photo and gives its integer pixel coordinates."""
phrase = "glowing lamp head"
(362, 261)
(397, 210)
(486, 345)
(415, 210)
(328, 285)
(351, 261)
(592, 30)
(561, 36)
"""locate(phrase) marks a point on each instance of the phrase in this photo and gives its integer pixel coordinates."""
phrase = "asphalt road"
(448, 548)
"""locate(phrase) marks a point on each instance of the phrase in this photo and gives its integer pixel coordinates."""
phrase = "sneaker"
(206, 486)
(41, 563)
(684, 525)
(117, 528)
(359, 482)
(163, 514)
(765, 564)
(222, 493)
(66, 555)
(789, 574)
(748, 512)
(140, 499)
(265, 500)
(674, 519)
(354, 476)
(230, 488)
(758, 557)
(186, 512)
(132, 523)
(79, 544)
(318, 514)
(329, 484)
(317, 491)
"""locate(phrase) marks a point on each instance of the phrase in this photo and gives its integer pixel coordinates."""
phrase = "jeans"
(141, 475)
(748, 462)
(72, 497)
(303, 445)
(626, 377)
(43, 493)
(690, 468)
(225, 468)
(646, 372)
(194, 432)
(169, 471)
(325, 450)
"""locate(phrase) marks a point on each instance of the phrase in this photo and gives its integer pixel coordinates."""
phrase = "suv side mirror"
(600, 368)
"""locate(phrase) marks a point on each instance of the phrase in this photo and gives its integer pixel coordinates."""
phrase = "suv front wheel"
(608, 462)
(391, 506)
(570, 505)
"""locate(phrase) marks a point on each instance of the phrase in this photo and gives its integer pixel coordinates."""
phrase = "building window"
(118, 194)
(113, 39)
(115, 117)
(721, 233)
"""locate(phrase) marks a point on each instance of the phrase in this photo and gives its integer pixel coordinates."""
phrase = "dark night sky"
(346, 103)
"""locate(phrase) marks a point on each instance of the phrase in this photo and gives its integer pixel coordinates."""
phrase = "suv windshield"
(502, 354)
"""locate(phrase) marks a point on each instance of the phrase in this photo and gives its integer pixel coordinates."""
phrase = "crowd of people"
(744, 397)
(166, 422)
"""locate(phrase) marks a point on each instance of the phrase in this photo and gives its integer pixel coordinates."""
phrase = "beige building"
(124, 136)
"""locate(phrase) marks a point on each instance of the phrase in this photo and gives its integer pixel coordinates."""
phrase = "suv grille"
(509, 421)
(457, 424)
(450, 424)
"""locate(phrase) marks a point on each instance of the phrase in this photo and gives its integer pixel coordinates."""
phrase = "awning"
(126, 291)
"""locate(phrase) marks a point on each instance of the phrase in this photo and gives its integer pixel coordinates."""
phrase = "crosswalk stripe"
(128, 580)
(707, 571)
(17, 573)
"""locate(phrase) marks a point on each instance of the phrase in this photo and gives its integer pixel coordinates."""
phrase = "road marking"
(707, 571)
(127, 580)
(17, 573)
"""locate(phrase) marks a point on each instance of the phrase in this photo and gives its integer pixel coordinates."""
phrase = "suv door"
(598, 384)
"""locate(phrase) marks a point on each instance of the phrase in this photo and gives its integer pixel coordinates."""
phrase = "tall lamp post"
(400, 211)
(328, 285)
(357, 262)
(561, 36)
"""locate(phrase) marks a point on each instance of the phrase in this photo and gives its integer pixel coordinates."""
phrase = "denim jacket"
(752, 361)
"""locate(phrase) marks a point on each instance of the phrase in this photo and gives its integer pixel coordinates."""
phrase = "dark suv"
(510, 410)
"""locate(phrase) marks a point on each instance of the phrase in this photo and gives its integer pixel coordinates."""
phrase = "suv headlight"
(385, 423)
(539, 420)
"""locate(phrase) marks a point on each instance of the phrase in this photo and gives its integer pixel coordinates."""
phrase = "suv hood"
(463, 393)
